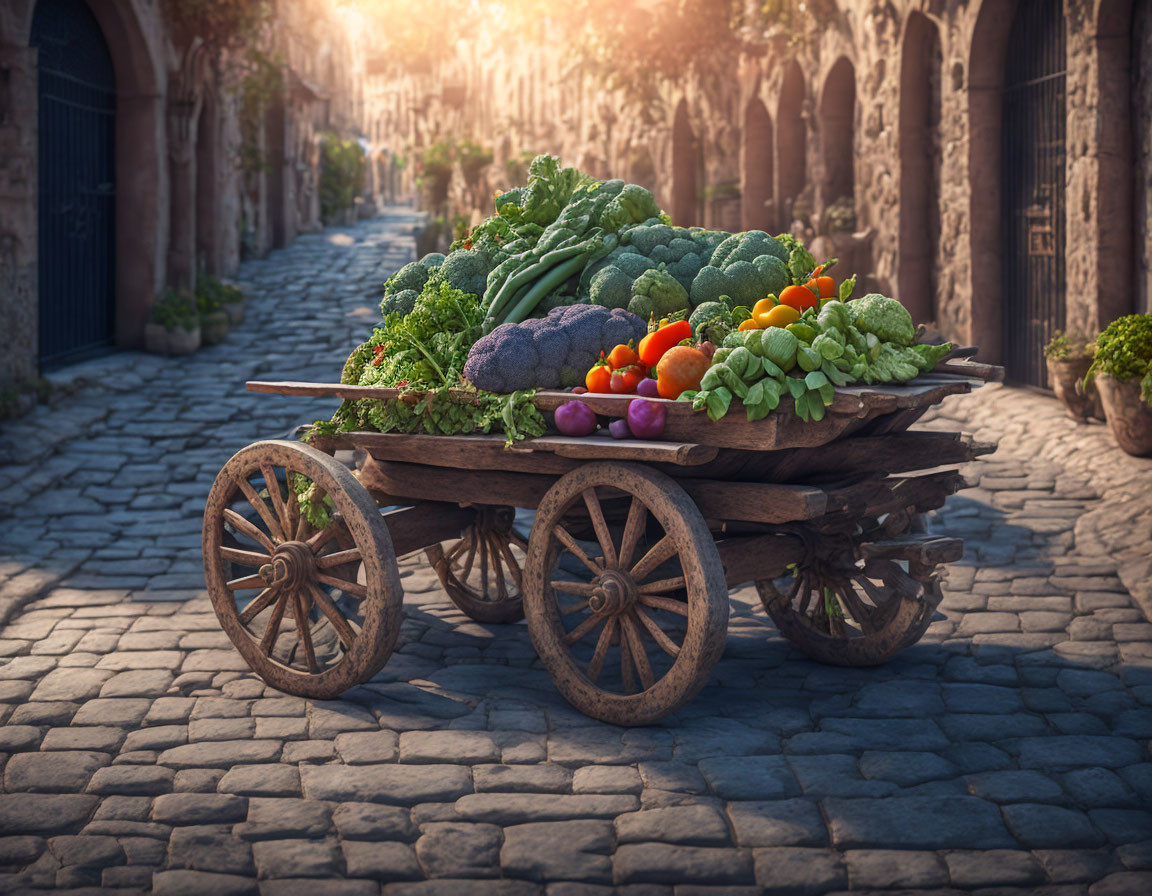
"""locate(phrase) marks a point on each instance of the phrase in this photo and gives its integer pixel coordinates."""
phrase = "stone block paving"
(1007, 752)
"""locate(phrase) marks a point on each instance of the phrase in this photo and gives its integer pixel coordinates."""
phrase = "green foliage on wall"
(342, 168)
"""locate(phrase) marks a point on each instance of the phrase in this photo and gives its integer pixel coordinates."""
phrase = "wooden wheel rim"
(707, 608)
(357, 519)
(493, 536)
(897, 623)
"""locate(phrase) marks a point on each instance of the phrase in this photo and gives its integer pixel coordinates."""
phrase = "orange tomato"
(622, 356)
(680, 369)
(780, 316)
(826, 286)
(599, 378)
(799, 297)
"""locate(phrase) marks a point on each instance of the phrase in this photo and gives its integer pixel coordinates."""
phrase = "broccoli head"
(886, 318)
(548, 352)
(632, 205)
(399, 302)
(747, 246)
(744, 282)
(467, 270)
(657, 294)
(611, 287)
(432, 260)
(686, 268)
(646, 237)
(412, 276)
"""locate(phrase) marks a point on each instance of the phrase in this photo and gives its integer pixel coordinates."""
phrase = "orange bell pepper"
(653, 346)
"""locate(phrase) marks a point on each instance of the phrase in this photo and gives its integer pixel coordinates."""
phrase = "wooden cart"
(624, 575)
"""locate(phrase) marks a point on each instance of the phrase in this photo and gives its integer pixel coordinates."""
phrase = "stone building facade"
(987, 161)
(124, 164)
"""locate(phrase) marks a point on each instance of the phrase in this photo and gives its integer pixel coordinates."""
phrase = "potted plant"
(214, 321)
(1122, 372)
(229, 298)
(1068, 357)
(174, 327)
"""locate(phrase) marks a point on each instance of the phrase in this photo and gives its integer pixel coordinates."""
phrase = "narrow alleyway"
(1007, 750)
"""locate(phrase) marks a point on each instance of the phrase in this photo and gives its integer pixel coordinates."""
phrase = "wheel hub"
(614, 593)
(292, 565)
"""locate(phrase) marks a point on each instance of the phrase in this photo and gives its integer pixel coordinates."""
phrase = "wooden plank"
(974, 369)
(756, 502)
(422, 482)
(478, 452)
(886, 495)
(754, 557)
(429, 522)
(607, 448)
(930, 550)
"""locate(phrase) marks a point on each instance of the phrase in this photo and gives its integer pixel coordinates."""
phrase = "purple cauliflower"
(549, 352)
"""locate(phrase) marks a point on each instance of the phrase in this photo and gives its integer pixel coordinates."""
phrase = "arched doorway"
(1032, 199)
(77, 181)
(684, 164)
(837, 134)
(756, 210)
(920, 71)
(791, 144)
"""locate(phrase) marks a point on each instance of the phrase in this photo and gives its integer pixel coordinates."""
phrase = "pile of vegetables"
(580, 283)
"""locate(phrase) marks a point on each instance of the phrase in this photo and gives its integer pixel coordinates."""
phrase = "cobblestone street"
(1007, 752)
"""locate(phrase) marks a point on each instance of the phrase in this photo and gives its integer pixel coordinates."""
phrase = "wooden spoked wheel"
(852, 616)
(482, 571)
(628, 625)
(312, 612)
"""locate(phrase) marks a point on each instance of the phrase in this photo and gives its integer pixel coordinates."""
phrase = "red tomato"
(799, 297)
(625, 380)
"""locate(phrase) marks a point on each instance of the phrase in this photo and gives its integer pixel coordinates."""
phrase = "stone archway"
(139, 134)
(757, 211)
(920, 157)
(791, 143)
(837, 134)
(985, 83)
(685, 162)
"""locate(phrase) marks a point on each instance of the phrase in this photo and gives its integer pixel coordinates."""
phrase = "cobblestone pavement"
(1007, 752)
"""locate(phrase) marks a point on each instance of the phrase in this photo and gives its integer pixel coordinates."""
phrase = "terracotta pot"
(214, 327)
(1128, 414)
(183, 342)
(155, 339)
(1062, 377)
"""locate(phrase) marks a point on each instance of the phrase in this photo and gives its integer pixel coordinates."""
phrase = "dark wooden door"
(76, 181)
(1033, 188)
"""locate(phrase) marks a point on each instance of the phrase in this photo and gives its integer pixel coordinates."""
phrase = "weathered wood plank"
(607, 448)
(930, 550)
(429, 522)
(755, 557)
(755, 502)
(422, 482)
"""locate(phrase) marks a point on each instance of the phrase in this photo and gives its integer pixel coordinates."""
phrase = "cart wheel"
(482, 571)
(628, 634)
(313, 612)
(854, 616)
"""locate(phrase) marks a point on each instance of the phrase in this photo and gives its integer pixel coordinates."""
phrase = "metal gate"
(77, 183)
(1033, 188)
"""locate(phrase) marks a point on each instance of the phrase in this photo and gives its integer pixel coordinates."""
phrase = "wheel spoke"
(241, 524)
(855, 606)
(603, 536)
(663, 550)
(573, 548)
(514, 538)
(339, 558)
(582, 629)
(663, 586)
(584, 589)
(569, 609)
(471, 558)
(601, 651)
(353, 588)
(324, 536)
(879, 596)
(458, 548)
(244, 558)
(273, 485)
(246, 582)
(329, 609)
(497, 567)
(262, 600)
(269, 640)
(261, 508)
(484, 564)
(639, 654)
(627, 677)
(664, 603)
(513, 565)
(304, 632)
(805, 595)
(633, 529)
(658, 634)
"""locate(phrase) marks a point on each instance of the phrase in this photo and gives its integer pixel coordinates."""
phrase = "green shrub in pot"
(1069, 357)
(1122, 372)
